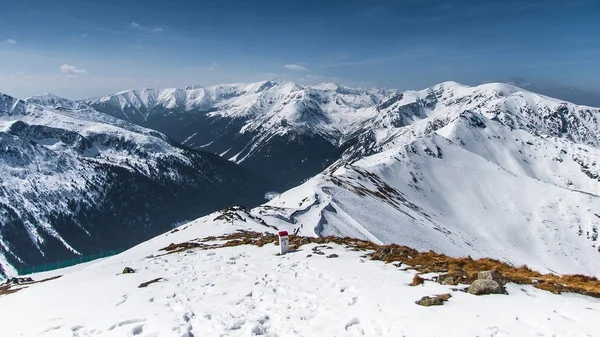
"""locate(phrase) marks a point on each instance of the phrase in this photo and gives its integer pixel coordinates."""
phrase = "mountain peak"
(51, 100)
(193, 87)
(11, 106)
(327, 86)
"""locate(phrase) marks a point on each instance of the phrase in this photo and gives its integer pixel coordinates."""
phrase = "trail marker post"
(284, 242)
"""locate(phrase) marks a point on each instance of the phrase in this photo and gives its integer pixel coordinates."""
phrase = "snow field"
(249, 291)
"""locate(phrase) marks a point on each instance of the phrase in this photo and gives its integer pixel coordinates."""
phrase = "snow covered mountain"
(76, 181)
(474, 187)
(492, 170)
(288, 132)
(428, 110)
(281, 130)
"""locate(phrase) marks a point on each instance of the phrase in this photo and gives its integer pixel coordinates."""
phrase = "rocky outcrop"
(488, 282)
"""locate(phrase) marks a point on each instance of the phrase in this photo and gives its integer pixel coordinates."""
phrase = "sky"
(81, 49)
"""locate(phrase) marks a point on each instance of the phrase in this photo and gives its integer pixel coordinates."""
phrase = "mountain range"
(76, 182)
(281, 130)
(493, 170)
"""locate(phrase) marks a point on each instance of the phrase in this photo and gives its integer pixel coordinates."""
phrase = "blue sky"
(80, 49)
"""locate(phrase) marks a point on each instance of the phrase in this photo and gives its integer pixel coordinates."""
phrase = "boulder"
(493, 275)
(448, 281)
(485, 287)
(128, 270)
(428, 301)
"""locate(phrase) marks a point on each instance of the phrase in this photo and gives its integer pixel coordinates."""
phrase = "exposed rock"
(332, 256)
(449, 281)
(18, 280)
(485, 287)
(128, 270)
(305, 240)
(428, 301)
(147, 283)
(492, 275)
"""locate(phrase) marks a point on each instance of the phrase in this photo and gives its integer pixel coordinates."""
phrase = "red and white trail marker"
(284, 242)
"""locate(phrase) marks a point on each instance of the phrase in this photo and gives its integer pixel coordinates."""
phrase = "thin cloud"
(144, 29)
(11, 41)
(310, 76)
(84, 35)
(296, 67)
(72, 71)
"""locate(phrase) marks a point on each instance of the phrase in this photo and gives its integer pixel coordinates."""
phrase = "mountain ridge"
(403, 156)
(265, 125)
(75, 181)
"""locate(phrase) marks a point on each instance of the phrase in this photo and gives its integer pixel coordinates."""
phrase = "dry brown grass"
(464, 270)
(6, 289)
(231, 240)
(9, 288)
(417, 281)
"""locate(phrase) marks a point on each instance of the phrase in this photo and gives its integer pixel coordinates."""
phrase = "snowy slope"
(280, 130)
(492, 170)
(413, 114)
(249, 291)
(264, 104)
(268, 126)
(76, 181)
(476, 187)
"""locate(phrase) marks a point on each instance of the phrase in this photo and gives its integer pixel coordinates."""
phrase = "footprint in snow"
(259, 330)
(188, 315)
(126, 322)
(236, 325)
(122, 301)
(138, 329)
(52, 328)
(353, 324)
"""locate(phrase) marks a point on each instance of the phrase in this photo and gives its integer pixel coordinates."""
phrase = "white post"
(284, 242)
